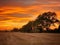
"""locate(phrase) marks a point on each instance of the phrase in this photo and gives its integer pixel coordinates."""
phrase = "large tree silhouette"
(42, 22)
(46, 19)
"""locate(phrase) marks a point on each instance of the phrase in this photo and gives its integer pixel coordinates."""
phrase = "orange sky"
(16, 13)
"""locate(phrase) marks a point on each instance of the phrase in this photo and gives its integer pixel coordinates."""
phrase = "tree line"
(41, 24)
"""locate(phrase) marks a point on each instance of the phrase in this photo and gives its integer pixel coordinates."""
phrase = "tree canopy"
(43, 21)
(46, 19)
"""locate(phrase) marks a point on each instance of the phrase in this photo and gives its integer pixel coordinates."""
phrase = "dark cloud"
(24, 3)
(17, 2)
(19, 15)
(3, 18)
(54, 8)
(1, 11)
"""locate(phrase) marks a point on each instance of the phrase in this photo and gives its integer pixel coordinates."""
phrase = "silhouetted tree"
(27, 27)
(40, 29)
(15, 30)
(43, 22)
(46, 19)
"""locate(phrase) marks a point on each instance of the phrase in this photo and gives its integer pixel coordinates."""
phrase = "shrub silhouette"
(15, 30)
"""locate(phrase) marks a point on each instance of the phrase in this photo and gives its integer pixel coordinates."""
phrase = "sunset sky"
(16, 13)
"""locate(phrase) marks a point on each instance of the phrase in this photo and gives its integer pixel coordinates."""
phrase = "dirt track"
(17, 38)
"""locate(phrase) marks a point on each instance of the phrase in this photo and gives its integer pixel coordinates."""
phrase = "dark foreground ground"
(17, 38)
